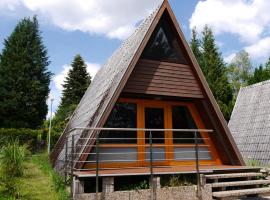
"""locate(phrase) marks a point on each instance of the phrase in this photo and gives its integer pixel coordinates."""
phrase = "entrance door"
(155, 118)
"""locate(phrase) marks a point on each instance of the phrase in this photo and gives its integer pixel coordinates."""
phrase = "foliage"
(178, 180)
(12, 157)
(24, 79)
(253, 163)
(262, 73)
(35, 139)
(240, 71)
(136, 186)
(214, 69)
(76, 83)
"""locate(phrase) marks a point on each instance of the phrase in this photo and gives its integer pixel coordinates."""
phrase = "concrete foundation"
(167, 193)
(107, 184)
(156, 182)
(78, 186)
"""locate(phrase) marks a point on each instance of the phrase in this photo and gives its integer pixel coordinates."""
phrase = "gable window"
(123, 115)
(182, 119)
(163, 44)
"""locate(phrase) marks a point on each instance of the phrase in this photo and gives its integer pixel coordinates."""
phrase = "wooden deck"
(162, 170)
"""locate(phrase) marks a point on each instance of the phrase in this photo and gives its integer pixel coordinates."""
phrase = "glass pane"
(182, 119)
(123, 115)
(154, 118)
(163, 44)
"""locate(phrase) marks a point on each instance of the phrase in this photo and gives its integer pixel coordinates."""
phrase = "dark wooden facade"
(163, 78)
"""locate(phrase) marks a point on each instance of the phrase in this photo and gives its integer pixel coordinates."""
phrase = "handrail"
(97, 145)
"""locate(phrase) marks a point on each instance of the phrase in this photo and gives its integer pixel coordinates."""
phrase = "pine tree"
(24, 78)
(75, 85)
(215, 72)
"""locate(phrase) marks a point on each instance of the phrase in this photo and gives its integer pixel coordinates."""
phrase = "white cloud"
(92, 16)
(260, 49)
(247, 19)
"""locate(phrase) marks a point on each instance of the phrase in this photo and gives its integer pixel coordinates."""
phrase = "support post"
(199, 189)
(71, 167)
(97, 163)
(153, 188)
(107, 184)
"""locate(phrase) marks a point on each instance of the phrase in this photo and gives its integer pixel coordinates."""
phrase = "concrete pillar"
(78, 186)
(156, 182)
(107, 184)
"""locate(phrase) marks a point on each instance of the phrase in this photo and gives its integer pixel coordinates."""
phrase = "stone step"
(240, 183)
(238, 193)
(233, 175)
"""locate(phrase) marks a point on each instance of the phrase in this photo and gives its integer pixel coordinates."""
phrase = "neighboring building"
(250, 122)
(152, 81)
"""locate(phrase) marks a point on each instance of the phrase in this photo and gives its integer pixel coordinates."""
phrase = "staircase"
(238, 184)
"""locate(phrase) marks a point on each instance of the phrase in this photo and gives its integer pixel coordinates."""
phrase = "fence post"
(97, 163)
(151, 167)
(199, 189)
(71, 167)
(66, 161)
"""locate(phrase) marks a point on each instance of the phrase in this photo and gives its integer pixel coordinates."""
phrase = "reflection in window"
(123, 115)
(182, 119)
(163, 44)
(154, 119)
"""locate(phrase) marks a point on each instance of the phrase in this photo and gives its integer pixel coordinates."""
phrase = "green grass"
(39, 181)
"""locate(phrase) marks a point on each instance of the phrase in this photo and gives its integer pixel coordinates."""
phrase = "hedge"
(35, 138)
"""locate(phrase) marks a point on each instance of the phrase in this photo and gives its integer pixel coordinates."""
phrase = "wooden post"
(199, 189)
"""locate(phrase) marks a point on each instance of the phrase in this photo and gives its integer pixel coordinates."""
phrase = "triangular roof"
(108, 83)
(250, 122)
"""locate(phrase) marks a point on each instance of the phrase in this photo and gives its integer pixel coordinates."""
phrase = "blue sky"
(95, 30)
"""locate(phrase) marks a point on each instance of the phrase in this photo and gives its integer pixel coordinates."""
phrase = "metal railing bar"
(143, 138)
(145, 167)
(146, 145)
(137, 129)
(126, 153)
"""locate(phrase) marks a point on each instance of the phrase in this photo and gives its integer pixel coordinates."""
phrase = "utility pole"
(50, 127)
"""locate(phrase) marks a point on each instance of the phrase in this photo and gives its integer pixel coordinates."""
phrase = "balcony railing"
(151, 153)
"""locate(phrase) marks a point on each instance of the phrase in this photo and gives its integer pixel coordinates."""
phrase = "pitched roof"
(104, 85)
(250, 122)
(104, 90)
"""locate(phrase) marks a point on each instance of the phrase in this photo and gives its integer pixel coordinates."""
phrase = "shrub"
(12, 157)
(253, 163)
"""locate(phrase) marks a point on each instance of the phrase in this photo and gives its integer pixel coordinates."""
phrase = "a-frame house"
(152, 81)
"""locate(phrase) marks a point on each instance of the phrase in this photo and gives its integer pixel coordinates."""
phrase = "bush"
(35, 139)
(12, 157)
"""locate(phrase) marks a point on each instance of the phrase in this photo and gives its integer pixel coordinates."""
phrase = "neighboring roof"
(250, 122)
(108, 83)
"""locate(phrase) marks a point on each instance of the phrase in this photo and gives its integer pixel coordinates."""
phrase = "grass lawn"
(39, 181)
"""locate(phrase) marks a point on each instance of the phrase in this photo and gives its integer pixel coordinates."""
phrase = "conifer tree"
(215, 72)
(24, 78)
(75, 85)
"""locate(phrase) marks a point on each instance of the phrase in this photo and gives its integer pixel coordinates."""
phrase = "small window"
(154, 119)
(163, 44)
(182, 119)
(123, 115)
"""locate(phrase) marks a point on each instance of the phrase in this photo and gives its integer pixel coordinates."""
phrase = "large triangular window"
(164, 44)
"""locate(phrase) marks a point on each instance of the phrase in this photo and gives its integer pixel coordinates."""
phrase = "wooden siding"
(163, 78)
